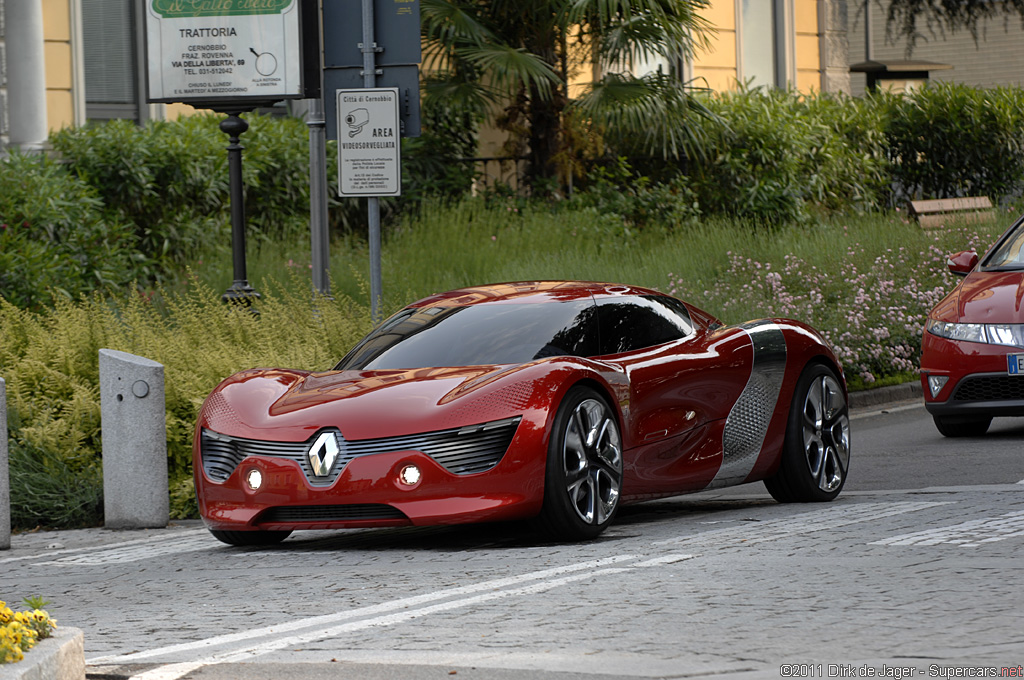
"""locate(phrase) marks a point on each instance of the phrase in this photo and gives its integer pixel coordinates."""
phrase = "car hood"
(990, 297)
(367, 404)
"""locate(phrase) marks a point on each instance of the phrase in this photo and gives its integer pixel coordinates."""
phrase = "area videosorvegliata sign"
(210, 51)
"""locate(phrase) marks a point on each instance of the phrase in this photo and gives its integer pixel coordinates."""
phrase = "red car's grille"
(461, 451)
(329, 513)
(990, 388)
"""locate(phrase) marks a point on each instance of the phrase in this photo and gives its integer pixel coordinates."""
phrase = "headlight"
(989, 333)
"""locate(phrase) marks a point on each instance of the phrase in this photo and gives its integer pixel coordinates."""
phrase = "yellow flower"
(5, 613)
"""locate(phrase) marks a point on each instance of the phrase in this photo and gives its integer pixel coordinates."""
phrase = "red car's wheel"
(816, 453)
(961, 426)
(250, 537)
(584, 468)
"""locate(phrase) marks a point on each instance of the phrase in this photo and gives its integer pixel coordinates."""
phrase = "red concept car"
(549, 400)
(972, 352)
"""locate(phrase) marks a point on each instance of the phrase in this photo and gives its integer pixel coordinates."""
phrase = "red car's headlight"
(989, 333)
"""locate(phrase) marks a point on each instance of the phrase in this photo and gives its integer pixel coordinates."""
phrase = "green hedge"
(948, 140)
(54, 236)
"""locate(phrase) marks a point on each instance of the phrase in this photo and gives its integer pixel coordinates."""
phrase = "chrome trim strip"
(748, 421)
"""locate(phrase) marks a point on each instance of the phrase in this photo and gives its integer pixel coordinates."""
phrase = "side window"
(633, 323)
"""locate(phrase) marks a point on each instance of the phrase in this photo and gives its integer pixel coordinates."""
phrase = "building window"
(112, 55)
(761, 28)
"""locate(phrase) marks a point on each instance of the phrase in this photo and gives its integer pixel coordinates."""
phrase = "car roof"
(531, 292)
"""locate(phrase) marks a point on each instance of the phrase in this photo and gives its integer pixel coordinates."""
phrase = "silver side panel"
(747, 424)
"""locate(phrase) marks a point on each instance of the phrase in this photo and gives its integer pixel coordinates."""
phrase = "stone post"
(135, 493)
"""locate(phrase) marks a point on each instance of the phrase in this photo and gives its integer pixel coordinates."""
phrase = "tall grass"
(469, 243)
(865, 281)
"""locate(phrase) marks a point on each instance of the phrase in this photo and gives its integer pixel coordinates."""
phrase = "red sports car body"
(552, 400)
(972, 352)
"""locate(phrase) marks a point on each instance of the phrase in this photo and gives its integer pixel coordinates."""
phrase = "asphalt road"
(914, 571)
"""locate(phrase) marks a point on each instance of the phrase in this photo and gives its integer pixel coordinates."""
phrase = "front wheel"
(816, 452)
(584, 467)
(250, 538)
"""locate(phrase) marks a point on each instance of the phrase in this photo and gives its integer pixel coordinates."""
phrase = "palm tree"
(519, 56)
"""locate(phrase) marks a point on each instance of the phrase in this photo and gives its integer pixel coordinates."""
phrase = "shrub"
(50, 363)
(53, 237)
(947, 140)
(637, 201)
(775, 155)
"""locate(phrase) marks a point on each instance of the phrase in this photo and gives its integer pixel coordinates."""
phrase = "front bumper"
(367, 490)
(978, 383)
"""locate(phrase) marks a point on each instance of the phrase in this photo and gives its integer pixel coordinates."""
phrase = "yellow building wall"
(807, 46)
(60, 111)
(717, 67)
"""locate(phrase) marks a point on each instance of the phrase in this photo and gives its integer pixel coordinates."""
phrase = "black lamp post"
(240, 291)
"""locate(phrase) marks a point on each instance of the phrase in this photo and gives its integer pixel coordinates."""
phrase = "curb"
(59, 657)
(886, 395)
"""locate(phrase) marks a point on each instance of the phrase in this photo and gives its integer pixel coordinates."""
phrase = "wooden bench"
(937, 212)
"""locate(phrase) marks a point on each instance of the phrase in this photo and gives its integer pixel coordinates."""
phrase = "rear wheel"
(961, 426)
(816, 452)
(250, 537)
(584, 468)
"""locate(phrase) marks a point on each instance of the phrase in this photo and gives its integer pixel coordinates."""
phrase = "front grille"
(330, 513)
(461, 451)
(222, 454)
(990, 388)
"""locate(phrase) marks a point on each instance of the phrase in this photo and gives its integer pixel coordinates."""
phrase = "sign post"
(233, 56)
(370, 166)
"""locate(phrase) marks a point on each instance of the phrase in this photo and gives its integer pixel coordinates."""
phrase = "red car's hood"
(365, 404)
(991, 297)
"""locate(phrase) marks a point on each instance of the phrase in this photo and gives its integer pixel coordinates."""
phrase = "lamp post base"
(241, 293)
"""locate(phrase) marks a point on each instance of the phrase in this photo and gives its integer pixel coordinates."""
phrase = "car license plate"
(1015, 364)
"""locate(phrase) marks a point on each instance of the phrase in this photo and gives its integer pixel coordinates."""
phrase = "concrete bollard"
(5, 474)
(135, 494)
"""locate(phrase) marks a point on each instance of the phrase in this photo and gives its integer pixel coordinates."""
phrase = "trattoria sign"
(210, 51)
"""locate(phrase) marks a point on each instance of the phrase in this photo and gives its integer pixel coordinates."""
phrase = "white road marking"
(171, 671)
(969, 534)
(824, 519)
(141, 544)
(320, 622)
(122, 554)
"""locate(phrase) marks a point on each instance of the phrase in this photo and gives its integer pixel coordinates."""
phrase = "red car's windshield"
(477, 335)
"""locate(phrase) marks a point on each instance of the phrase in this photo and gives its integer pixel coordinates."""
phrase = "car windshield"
(1010, 253)
(477, 335)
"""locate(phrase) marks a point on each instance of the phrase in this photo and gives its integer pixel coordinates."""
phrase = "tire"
(250, 538)
(816, 451)
(583, 477)
(961, 426)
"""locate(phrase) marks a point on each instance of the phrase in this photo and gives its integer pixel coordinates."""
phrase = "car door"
(684, 378)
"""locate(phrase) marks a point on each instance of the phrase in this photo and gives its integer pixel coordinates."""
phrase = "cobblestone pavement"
(702, 585)
(882, 584)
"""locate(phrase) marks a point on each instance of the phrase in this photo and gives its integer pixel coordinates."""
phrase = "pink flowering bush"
(871, 309)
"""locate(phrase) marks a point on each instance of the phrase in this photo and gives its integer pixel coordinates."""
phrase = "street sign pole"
(369, 50)
(319, 236)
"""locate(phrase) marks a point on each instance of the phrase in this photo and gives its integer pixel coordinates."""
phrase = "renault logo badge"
(323, 453)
